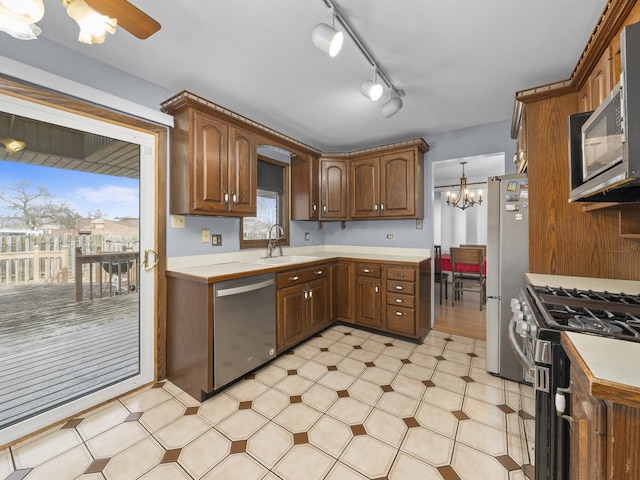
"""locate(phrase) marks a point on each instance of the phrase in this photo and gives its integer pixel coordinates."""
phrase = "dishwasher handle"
(244, 288)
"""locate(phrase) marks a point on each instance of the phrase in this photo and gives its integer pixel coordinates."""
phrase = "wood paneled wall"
(563, 238)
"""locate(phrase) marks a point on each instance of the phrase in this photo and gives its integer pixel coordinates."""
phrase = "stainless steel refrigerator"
(507, 263)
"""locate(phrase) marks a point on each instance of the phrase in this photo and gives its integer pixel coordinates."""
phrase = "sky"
(84, 192)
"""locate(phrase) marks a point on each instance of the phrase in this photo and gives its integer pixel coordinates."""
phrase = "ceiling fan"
(129, 17)
(95, 17)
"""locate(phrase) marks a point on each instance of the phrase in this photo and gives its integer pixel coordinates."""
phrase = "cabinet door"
(398, 184)
(333, 189)
(588, 458)
(342, 301)
(600, 80)
(318, 305)
(243, 172)
(305, 188)
(290, 316)
(368, 302)
(209, 168)
(365, 187)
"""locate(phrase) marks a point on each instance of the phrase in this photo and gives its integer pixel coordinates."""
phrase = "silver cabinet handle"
(226, 198)
(398, 287)
(382, 206)
(375, 206)
(314, 207)
(306, 294)
(234, 198)
(366, 270)
(294, 278)
(399, 314)
(310, 293)
(400, 274)
(318, 272)
(324, 208)
(561, 403)
(377, 289)
(399, 300)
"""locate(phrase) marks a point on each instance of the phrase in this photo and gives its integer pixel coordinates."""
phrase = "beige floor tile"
(328, 358)
(270, 403)
(399, 352)
(238, 466)
(526, 390)
(114, 441)
(146, 399)
(341, 349)
(452, 368)
(6, 465)
(457, 357)
(319, 397)
(42, 448)
(424, 360)
(481, 376)
(416, 372)
(386, 427)
(351, 340)
(242, 424)
(486, 393)
(443, 398)
(479, 362)
(337, 380)
(408, 386)
(341, 472)
(306, 351)
(486, 413)
(187, 400)
(372, 346)
(330, 436)
(449, 382)
(362, 355)
(331, 334)
(459, 346)
(184, 430)
(529, 405)
(461, 339)
(217, 408)
(428, 446)
(471, 464)
(482, 437)
(429, 350)
(517, 475)
(304, 462)
(271, 374)
(269, 444)
(102, 420)
(162, 415)
(166, 471)
(246, 390)
(291, 362)
(390, 364)
(398, 404)
(350, 411)
(515, 446)
(406, 467)
(376, 337)
(320, 342)
(481, 351)
(67, 465)
(171, 388)
(351, 366)
(297, 417)
(377, 375)
(134, 461)
(342, 328)
(312, 370)
(361, 333)
(293, 385)
(514, 424)
(91, 476)
(201, 455)
(369, 456)
(437, 419)
(364, 391)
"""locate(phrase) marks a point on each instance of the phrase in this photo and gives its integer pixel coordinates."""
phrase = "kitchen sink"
(284, 260)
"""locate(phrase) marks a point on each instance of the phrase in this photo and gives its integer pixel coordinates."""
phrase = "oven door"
(521, 338)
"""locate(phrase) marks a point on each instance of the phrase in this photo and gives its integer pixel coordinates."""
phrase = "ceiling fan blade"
(129, 17)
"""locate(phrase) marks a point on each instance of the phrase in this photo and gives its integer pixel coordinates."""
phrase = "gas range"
(602, 313)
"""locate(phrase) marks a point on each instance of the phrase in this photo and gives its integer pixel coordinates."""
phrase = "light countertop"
(585, 283)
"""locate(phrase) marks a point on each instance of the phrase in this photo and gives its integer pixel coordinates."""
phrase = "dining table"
(464, 267)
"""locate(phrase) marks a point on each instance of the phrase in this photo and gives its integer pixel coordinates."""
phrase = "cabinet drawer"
(400, 300)
(401, 320)
(406, 274)
(368, 270)
(296, 277)
(407, 288)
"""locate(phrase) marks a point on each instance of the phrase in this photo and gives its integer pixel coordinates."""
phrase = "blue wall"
(482, 139)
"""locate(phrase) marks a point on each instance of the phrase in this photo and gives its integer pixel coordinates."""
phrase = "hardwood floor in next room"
(464, 319)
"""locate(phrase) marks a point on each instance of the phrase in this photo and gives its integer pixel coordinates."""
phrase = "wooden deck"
(53, 349)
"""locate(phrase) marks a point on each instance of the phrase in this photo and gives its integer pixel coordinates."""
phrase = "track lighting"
(93, 25)
(12, 145)
(18, 18)
(371, 88)
(392, 106)
(326, 37)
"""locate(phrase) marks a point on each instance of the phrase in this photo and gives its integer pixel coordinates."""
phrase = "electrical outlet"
(307, 236)
(418, 223)
(177, 221)
(390, 236)
(205, 236)
(216, 240)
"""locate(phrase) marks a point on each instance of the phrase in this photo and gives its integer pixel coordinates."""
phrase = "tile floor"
(346, 404)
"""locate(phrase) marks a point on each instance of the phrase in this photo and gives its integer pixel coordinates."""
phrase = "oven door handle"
(517, 348)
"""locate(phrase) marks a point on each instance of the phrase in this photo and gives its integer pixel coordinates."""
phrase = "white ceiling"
(458, 62)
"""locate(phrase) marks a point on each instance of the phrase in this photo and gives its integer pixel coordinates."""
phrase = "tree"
(35, 207)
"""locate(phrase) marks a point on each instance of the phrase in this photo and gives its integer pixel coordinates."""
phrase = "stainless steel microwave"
(604, 145)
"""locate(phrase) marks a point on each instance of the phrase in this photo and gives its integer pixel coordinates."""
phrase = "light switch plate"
(205, 236)
(177, 221)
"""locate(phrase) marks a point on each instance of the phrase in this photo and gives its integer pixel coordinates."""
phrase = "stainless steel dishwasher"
(244, 326)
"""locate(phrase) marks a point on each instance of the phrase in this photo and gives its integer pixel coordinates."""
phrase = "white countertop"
(218, 265)
(631, 287)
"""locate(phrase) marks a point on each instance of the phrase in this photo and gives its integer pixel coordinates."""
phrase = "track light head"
(371, 90)
(327, 39)
(391, 107)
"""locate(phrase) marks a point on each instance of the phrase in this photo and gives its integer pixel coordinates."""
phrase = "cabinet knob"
(382, 206)
(377, 289)
(399, 300)
(375, 206)
(399, 314)
(366, 270)
(226, 198)
(399, 274)
(324, 208)
(294, 278)
(318, 272)
(310, 293)
(314, 207)
(398, 287)
(305, 294)
(234, 198)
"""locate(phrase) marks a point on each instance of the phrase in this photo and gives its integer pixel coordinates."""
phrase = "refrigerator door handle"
(494, 297)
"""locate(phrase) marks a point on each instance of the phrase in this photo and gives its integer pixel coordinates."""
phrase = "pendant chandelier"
(464, 198)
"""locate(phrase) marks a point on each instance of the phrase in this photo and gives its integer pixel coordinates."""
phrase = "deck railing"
(113, 273)
(36, 266)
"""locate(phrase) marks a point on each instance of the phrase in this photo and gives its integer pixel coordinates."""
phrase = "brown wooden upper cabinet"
(305, 187)
(334, 187)
(387, 185)
(213, 166)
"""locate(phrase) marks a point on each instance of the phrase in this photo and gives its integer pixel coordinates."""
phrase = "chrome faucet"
(271, 244)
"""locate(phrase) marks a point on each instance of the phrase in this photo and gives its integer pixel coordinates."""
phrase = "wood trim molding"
(69, 104)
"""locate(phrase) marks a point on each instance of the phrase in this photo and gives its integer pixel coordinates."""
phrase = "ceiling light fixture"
(18, 18)
(394, 104)
(12, 145)
(464, 198)
(93, 25)
(326, 37)
(371, 88)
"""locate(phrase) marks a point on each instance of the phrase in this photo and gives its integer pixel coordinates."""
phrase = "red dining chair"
(439, 275)
(464, 279)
